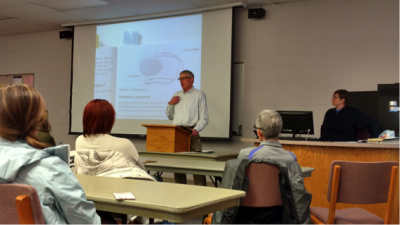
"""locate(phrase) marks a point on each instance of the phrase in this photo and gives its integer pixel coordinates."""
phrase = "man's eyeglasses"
(255, 131)
(254, 126)
(183, 78)
(335, 97)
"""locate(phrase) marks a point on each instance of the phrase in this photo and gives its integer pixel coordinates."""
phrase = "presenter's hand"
(195, 132)
(174, 100)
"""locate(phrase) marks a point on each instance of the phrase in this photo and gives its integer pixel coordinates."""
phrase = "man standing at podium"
(188, 108)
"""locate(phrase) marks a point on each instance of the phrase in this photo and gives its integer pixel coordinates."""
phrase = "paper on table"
(207, 151)
(124, 196)
(189, 152)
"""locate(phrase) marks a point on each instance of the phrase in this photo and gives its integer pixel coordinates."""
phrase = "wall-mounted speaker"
(256, 13)
(65, 34)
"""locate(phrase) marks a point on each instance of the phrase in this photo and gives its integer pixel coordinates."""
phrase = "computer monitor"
(297, 122)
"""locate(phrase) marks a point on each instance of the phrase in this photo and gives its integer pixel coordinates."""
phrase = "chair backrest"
(361, 133)
(8, 206)
(362, 182)
(263, 188)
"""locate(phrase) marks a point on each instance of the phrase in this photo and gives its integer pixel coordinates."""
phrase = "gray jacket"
(295, 198)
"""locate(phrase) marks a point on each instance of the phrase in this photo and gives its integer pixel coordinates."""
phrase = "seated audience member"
(269, 125)
(295, 199)
(108, 164)
(340, 122)
(111, 155)
(44, 132)
(26, 160)
(98, 120)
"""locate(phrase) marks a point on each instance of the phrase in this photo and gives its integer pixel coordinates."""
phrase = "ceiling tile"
(100, 12)
(8, 3)
(119, 1)
(53, 19)
(267, 2)
(31, 29)
(11, 23)
(257, 3)
(25, 16)
(156, 6)
(287, 1)
(25, 10)
(68, 4)
(6, 33)
(202, 3)
(4, 17)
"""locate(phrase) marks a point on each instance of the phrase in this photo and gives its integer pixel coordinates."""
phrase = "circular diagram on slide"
(161, 68)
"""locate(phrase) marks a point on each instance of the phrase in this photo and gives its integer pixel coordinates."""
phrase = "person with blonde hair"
(26, 160)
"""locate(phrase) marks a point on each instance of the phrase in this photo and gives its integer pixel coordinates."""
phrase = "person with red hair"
(98, 120)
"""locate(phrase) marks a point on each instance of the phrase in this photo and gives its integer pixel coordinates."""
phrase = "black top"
(341, 127)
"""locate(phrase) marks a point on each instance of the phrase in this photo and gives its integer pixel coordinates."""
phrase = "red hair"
(98, 118)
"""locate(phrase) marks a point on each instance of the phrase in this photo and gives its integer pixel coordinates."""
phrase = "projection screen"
(135, 66)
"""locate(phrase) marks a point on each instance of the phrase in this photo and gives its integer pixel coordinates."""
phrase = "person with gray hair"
(269, 122)
(237, 176)
(268, 127)
(188, 109)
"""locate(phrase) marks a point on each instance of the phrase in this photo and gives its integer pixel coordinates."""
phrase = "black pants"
(259, 215)
(106, 217)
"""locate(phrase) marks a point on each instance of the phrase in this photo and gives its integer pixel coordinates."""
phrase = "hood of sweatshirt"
(17, 154)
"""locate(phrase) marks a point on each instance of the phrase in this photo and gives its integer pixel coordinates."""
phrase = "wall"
(294, 58)
(301, 52)
(49, 58)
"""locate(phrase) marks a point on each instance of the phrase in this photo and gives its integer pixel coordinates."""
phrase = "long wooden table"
(216, 156)
(173, 202)
(320, 155)
(197, 167)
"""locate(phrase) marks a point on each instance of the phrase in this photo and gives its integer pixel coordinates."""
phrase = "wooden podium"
(167, 138)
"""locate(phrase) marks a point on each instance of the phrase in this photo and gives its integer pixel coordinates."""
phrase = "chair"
(208, 219)
(261, 191)
(19, 203)
(358, 183)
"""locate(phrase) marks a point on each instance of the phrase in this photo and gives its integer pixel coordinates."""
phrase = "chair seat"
(347, 216)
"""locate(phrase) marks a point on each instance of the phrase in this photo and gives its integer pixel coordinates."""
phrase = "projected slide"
(138, 63)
